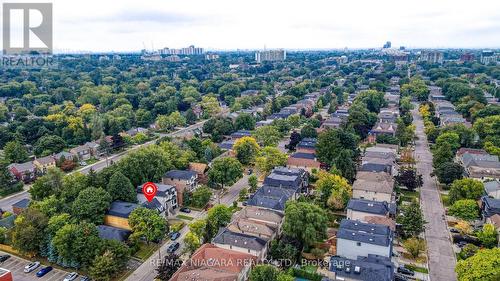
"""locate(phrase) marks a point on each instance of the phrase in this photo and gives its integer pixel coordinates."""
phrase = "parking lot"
(16, 266)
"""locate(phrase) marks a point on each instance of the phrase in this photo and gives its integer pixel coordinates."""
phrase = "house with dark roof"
(378, 167)
(65, 155)
(118, 213)
(287, 177)
(227, 145)
(356, 238)
(489, 207)
(271, 197)
(482, 167)
(113, 233)
(370, 268)
(307, 145)
(20, 206)
(243, 243)
(183, 180)
(241, 133)
(303, 160)
(165, 200)
(492, 189)
(358, 209)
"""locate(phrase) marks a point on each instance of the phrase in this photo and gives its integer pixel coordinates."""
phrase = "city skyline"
(221, 25)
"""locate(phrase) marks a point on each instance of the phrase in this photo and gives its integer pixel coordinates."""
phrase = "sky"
(126, 25)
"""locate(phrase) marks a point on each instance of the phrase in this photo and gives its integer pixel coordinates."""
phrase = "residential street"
(439, 247)
(146, 272)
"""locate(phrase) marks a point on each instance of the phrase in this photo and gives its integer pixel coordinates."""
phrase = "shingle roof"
(163, 189)
(307, 143)
(241, 240)
(303, 155)
(271, 197)
(121, 209)
(375, 167)
(241, 133)
(365, 232)
(180, 174)
(371, 268)
(368, 206)
(113, 233)
(45, 160)
(492, 186)
(22, 167)
(23, 203)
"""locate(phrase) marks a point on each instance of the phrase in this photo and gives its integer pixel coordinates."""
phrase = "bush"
(466, 209)
(301, 273)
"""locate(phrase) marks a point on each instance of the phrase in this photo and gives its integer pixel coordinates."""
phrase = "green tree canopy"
(120, 188)
(246, 149)
(465, 209)
(306, 222)
(225, 171)
(148, 223)
(91, 204)
(484, 266)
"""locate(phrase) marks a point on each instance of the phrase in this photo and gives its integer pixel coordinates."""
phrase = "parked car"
(173, 247)
(185, 210)
(462, 244)
(4, 258)
(174, 235)
(70, 277)
(399, 277)
(83, 163)
(250, 171)
(404, 270)
(32, 266)
(44, 271)
(84, 278)
(454, 230)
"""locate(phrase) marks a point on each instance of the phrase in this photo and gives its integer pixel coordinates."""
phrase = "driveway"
(16, 266)
(442, 259)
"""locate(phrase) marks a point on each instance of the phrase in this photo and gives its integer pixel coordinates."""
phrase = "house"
(20, 206)
(211, 263)
(254, 228)
(183, 180)
(384, 128)
(44, 163)
(481, 166)
(166, 197)
(463, 150)
(134, 131)
(243, 243)
(227, 145)
(332, 123)
(65, 155)
(25, 172)
(290, 178)
(307, 145)
(271, 197)
(358, 209)
(356, 238)
(239, 134)
(200, 169)
(269, 217)
(118, 213)
(82, 152)
(303, 160)
(489, 207)
(370, 268)
(383, 148)
(113, 233)
(376, 186)
(377, 168)
(492, 189)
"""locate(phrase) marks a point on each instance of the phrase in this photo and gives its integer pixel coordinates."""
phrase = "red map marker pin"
(149, 190)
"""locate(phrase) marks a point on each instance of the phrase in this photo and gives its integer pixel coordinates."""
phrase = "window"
(358, 243)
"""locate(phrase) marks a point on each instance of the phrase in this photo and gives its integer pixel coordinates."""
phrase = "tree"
(267, 135)
(91, 204)
(466, 209)
(305, 222)
(488, 236)
(15, 152)
(168, 267)
(345, 164)
(76, 243)
(451, 138)
(192, 242)
(120, 188)
(412, 220)
(448, 172)
(246, 149)
(332, 142)
(264, 272)
(148, 223)
(294, 140)
(414, 246)
(281, 250)
(409, 178)
(270, 157)
(73, 184)
(49, 144)
(210, 105)
(465, 189)
(225, 171)
(49, 184)
(103, 267)
(334, 190)
(218, 216)
(252, 182)
(442, 154)
(244, 121)
(199, 228)
(308, 131)
(373, 100)
(115, 251)
(416, 88)
(28, 231)
(200, 197)
(484, 266)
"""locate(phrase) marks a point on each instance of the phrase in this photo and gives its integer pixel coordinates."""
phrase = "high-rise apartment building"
(189, 51)
(431, 56)
(488, 56)
(270, 55)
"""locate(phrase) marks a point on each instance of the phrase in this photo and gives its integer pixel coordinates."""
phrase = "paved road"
(6, 203)
(16, 266)
(440, 252)
(147, 271)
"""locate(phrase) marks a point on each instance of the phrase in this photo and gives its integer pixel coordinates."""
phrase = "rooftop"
(303, 155)
(354, 230)
(271, 197)
(23, 203)
(227, 237)
(121, 209)
(113, 233)
(371, 268)
(180, 174)
(371, 207)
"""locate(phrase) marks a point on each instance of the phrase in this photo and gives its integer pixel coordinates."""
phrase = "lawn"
(145, 250)
(184, 217)
(417, 268)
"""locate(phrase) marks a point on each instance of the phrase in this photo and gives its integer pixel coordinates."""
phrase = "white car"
(32, 266)
(70, 277)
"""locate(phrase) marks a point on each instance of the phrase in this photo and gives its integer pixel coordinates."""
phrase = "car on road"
(84, 278)
(70, 277)
(44, 271)
(32, 266)
(174, 235)
(404, 270)
(4, 258)
(185, 210)
(173, 247)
